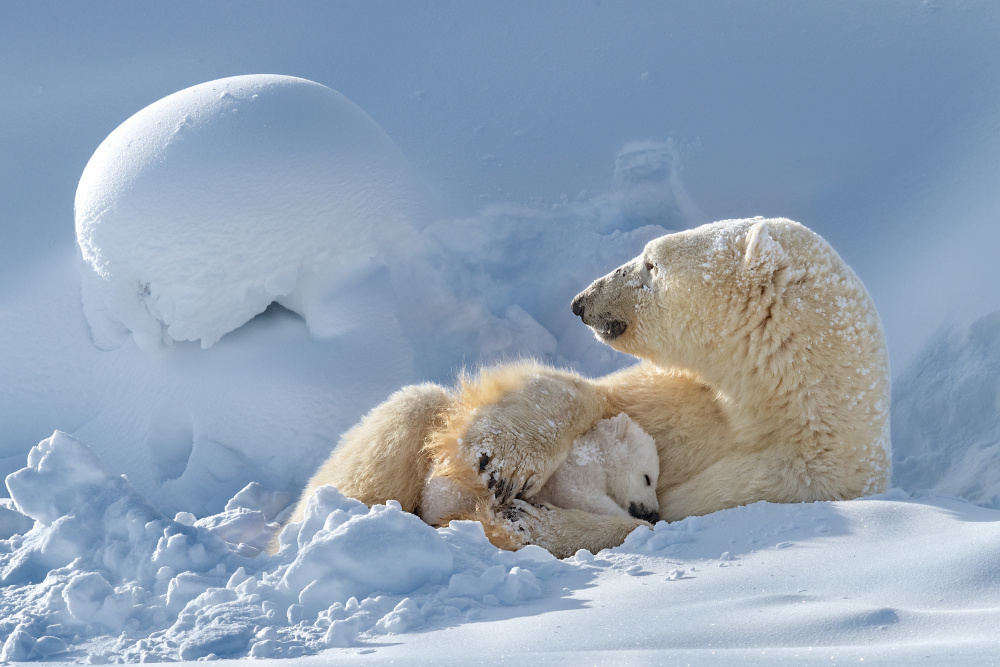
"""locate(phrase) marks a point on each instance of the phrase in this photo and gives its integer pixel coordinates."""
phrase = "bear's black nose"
(578, 306)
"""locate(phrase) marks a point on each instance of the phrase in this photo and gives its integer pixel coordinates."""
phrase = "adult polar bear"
(764, 376)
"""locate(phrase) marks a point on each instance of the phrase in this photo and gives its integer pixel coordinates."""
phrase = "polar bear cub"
(612, 469)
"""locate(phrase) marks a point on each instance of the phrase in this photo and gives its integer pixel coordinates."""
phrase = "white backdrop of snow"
(886, 147)
(91, 567)
(946, 416)
(193, 427)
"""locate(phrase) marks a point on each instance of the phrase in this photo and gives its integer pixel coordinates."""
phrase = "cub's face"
(632, 467)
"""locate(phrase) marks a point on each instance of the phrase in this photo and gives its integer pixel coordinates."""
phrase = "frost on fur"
(766, 373)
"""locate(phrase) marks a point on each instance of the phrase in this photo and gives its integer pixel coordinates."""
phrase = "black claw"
(512, 513)
(484, 460)
(503, 490)
(493, 482)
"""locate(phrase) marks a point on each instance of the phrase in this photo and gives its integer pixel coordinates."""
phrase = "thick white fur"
(765, 372)
(763, 376)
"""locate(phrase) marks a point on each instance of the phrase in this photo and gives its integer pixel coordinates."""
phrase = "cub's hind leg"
(561, 531)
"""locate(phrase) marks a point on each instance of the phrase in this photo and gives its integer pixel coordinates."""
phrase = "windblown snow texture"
(946, 416)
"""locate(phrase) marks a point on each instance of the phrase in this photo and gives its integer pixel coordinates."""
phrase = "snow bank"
(208, 205)
(205, 207)
(102, 576)
(946, 416)
(104, 573)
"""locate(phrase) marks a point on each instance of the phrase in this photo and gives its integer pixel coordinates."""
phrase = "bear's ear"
(764, 256)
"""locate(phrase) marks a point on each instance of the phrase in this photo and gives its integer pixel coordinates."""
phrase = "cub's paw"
(564, 531)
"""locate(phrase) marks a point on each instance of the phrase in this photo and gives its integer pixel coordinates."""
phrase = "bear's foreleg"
(514, 425)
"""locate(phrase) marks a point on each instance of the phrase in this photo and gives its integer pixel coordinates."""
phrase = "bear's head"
(761, 296)
(631, 466)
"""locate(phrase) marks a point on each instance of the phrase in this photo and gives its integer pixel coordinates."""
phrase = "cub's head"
(632, 466)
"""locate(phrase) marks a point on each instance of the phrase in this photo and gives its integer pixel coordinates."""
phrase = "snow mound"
(205, 207)
(946, 416)
(103, 573)
(103, 577)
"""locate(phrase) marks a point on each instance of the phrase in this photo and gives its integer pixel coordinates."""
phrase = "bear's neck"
(757, 406)
(794, 392)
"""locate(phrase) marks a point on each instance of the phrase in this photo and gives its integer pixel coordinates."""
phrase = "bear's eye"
(651, 267)
(648, 482)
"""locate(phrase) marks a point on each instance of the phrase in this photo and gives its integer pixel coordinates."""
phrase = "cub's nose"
(643, 512)
(577, 305)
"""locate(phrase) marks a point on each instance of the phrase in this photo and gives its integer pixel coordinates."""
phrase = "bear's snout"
(644, 513)
(604, 324)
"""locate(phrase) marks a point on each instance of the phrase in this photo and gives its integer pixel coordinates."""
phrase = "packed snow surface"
(205, 207)
(103, 575)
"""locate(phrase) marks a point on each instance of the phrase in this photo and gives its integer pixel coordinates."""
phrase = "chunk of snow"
(385, 550)
(946, 416)
(203, 208)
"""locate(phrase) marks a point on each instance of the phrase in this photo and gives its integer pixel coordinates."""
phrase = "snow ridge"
(946, 416)
(103, 572)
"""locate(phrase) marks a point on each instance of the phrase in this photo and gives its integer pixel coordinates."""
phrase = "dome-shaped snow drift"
(205, 207)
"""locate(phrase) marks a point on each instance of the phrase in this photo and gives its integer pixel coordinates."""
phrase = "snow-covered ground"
(533, 148)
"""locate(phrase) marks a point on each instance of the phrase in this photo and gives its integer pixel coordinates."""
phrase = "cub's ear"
(764, 256)
(617, 426)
